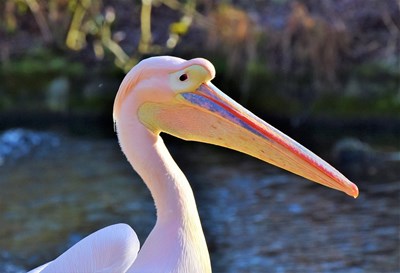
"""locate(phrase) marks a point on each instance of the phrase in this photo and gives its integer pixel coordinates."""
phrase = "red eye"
(183, 77)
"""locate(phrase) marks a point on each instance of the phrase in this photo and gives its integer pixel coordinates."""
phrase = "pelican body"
(176, 96)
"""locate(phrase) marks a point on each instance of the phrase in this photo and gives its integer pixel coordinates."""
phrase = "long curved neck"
(177, 241)
(150, 158)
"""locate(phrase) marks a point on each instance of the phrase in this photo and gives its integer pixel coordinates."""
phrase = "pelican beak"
(208, 115)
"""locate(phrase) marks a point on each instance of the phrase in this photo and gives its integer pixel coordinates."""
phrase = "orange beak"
(208, 115)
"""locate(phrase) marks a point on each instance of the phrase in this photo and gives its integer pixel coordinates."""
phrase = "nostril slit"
(183, 77)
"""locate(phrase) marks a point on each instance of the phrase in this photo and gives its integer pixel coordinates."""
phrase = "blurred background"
(325, 72)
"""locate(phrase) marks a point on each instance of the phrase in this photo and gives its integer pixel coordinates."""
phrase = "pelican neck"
(148, 155)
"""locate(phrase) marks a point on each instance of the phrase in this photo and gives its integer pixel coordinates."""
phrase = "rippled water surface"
(257, 218)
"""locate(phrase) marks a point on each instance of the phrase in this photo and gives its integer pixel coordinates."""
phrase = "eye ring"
(183, 77)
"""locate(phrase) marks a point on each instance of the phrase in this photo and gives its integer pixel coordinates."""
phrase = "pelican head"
(177, 97)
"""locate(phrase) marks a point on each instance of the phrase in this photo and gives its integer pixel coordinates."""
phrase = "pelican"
(176, 96)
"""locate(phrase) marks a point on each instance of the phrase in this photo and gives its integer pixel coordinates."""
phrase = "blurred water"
(17, 143)
(257, 218)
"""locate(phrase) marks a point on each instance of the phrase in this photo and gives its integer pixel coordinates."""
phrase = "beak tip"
(354, 191)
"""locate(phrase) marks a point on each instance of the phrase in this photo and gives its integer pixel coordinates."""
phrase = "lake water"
(256, 218)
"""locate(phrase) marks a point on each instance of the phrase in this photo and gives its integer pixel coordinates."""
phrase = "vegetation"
(335, 57)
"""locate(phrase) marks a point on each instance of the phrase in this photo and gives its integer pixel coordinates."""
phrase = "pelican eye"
(183, 77)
